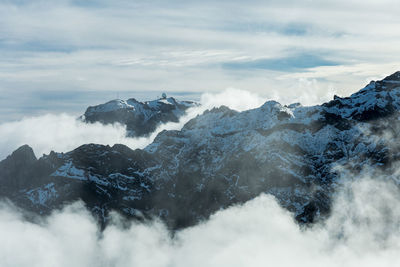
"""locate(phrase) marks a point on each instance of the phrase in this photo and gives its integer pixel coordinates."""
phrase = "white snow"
(110, 106)
(68, 170)
(41, 195)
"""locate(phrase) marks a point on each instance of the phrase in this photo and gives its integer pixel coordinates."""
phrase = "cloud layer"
(64, 132)
(363, 230)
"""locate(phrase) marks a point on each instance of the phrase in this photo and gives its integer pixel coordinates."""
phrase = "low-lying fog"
(363, 230)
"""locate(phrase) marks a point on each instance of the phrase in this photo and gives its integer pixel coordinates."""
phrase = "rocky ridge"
(140, 118)
(221, 158)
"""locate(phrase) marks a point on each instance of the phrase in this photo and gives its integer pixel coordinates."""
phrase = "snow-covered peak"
(395, 77)
(141, 118)
(271, 105)
(133, 104)
(378, 98)
(110, 106)
(160, 101)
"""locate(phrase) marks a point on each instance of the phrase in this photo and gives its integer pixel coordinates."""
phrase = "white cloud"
(363, 230)
(64, 132)
(60, 133)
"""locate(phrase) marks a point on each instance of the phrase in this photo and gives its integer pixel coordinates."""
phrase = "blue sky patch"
(293, 63)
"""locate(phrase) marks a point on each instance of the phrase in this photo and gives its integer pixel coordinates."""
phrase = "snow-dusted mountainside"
(140, 118)
(220, 158)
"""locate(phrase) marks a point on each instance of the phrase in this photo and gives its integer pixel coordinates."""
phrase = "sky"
(64, 55)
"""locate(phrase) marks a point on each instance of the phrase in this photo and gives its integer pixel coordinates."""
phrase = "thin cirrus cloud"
(266, 47)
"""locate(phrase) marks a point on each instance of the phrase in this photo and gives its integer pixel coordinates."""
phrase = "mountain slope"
(221, 158)
(140, 118)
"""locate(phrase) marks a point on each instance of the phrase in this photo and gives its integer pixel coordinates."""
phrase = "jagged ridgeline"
(218, 159)
(140, 118)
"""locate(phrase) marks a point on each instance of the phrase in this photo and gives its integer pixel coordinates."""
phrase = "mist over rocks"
(64, 132)
(221, 158)
(362, 229)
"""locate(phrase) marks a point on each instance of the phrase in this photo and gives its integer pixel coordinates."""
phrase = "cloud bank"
(363, 230)
(64, 132)
(79, 47)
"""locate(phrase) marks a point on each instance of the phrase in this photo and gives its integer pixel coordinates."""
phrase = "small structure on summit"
(164, 95)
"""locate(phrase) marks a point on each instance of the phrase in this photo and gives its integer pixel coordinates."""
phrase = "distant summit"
(140, 118)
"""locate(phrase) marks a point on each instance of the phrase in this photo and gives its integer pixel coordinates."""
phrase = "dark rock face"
(221, 158)
(14, 167)
(140, 118)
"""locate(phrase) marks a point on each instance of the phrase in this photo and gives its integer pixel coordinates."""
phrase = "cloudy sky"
(60, 56)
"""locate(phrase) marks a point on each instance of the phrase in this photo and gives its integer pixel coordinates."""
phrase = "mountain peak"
(394, 77)
(24, 153)
(140, 118)
(18, 161)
